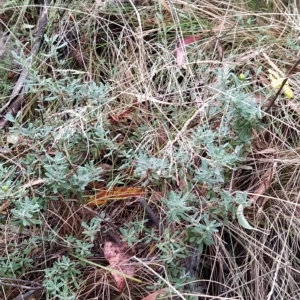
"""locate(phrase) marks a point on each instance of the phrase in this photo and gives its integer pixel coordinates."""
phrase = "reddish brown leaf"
(118, 259)
(95, 185)
(180, 51)
(116, 118)
(117, 193)
(154, 295)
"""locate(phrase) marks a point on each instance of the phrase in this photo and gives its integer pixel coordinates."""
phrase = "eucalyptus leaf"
(243, 221)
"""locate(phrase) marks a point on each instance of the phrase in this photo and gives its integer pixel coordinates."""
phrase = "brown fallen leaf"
(116, 118)
(117, 193)
(4, 206)
(118, 259)
(265, 184)
(180, 51)
(165, 5)
(154, 295)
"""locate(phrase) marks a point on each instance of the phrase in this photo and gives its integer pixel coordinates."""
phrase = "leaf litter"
(118, 258)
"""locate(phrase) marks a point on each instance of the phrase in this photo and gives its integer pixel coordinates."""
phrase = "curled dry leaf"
(277, 81)
(4, 206)
(116, 118)
(265, 183)
(118, 259)
(243, 221)
(180, 51)
(117, 193)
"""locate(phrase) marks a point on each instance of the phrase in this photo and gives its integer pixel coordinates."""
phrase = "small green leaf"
(4, 188)
(243, 221)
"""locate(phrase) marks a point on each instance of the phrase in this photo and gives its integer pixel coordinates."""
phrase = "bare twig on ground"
(20, 283)
(26, 295)
(151, 214)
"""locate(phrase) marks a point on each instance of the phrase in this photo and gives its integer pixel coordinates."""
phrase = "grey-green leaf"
(243, 221)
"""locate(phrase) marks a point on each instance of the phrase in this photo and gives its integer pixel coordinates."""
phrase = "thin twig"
(271, 103)
(25, 295)
(20, 284)
(15, 100)
(33, 183)
(151, 214)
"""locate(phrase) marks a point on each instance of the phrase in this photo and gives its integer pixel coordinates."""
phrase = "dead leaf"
(180, 51)
(106, 167)
(95, 185)
(166, 6)
(277, 81)
(117, 193)
(154, 295)
(4, 206)
(33, 183)
(265, 184)
(116, 118)
(118, 259)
